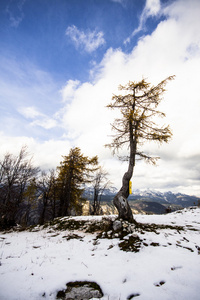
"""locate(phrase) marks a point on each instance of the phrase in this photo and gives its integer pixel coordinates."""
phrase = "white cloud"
(29, 98)
(173, 48)
(29, 112)
(165, 52)
(46, 154)
(46, 123)
(151, 9)
(88, 41)
(39, 119)
(69, 89)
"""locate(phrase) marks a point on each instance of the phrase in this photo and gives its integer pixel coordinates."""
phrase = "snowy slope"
(36, 265)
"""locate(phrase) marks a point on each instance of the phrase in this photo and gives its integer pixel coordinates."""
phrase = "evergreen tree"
(74, 171)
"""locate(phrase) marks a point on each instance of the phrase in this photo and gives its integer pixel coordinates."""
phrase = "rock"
(125, 225)
(81, 290)
(103, 235)
(131, 227)
(134, 235)
(117, 225)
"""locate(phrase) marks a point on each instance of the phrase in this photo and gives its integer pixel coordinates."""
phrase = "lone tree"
(138, 107)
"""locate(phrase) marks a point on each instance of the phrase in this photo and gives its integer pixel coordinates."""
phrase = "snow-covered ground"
(36, 265)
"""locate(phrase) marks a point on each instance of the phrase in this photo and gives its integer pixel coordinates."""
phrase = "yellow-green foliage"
(138, 107)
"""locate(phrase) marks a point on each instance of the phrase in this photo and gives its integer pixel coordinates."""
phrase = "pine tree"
(74, 171)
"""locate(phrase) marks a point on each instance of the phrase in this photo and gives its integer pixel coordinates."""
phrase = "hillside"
(110, 259)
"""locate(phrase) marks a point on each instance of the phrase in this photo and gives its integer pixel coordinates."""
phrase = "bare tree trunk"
(95, 202)
(121, 203)
(44, 203)
(120, 200)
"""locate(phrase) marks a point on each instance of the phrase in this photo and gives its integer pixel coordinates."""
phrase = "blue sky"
(61, 61)
(46, 43)
(40, 32)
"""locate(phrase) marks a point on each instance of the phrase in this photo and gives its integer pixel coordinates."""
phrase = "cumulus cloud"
(167, 51)
(88, 41)
(173, 48)
(69, 89)
(46, 154)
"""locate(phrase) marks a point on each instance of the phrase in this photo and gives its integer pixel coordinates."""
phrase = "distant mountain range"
(150, 202)
(165, 198)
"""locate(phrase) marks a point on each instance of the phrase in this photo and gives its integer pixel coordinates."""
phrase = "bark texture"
(120, 200)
